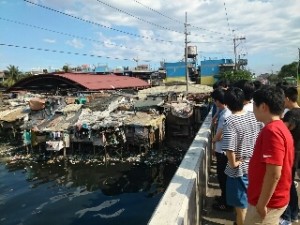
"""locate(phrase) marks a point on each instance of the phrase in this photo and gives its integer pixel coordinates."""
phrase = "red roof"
(105, 82)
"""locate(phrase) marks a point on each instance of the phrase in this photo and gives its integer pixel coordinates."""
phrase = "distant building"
(177, 71)
(36, 71)
(102, 69)
(142, 67)
(74, 82)
(212, 68)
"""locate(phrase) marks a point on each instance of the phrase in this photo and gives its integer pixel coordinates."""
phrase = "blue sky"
(119, 33)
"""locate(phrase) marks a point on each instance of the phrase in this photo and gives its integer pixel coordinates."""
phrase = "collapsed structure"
(113, 122)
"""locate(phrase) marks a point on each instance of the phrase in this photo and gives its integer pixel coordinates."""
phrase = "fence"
(184, 198)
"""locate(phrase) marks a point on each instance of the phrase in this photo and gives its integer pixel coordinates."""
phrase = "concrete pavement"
(214, 217)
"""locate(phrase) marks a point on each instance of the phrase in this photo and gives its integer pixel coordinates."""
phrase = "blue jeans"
(292, 210)
(236, 191)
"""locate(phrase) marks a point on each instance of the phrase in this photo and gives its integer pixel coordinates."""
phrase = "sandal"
(221, 207)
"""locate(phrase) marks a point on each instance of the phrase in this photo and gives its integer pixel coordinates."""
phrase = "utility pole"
(234, 49)
(186, 52)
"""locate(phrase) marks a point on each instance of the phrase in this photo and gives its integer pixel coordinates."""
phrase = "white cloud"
(51, 41)
(75, 43)
(271, 28)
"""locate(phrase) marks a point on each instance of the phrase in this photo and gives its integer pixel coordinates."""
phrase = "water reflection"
(66, 193)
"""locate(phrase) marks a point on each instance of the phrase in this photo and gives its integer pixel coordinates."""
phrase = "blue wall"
(175, 69)
(101, 69)
(211, 67)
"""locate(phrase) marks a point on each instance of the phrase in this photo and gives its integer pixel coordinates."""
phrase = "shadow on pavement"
(211, 216)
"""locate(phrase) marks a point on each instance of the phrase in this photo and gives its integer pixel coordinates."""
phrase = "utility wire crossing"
(97, 24)
(73, 35)
(67, 52)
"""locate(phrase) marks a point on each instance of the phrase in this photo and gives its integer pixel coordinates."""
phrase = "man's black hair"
(283, 85)
(224, 83)
(234, 99)
(291, 93)
(273, 97)
(293, 118)
(215, 85)
(247, 86)
(218, 94)
(257, 84)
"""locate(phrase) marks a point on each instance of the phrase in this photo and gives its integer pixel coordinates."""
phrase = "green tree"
(273, 79)
(27, 74)
(13, 74)
(236, 75)
(289, 70)
(66, 68)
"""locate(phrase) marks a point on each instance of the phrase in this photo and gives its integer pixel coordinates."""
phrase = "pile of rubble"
(110, 122)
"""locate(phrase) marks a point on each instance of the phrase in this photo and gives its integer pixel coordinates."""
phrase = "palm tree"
(13, 75)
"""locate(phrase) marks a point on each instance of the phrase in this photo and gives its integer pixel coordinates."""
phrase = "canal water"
(66, 193)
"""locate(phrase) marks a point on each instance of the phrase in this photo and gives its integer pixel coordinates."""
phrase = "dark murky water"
(34, 193)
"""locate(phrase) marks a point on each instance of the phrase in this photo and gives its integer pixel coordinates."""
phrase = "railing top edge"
(179, 190)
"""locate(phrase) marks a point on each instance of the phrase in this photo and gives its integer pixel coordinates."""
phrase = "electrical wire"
(177, 21)
(159, 13)
(138, 18)
(229, 29)
(67, 52)
(97, 24)
(94, 23)
(91, 22)
(72, 35)
(80, 37)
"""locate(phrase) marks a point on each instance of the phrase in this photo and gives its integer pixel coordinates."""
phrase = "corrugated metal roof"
(105, 82)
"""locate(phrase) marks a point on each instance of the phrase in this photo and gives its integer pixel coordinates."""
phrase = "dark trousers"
(292, 210)
(221, 165)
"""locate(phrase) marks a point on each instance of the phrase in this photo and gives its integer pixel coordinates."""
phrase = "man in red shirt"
(270, 167)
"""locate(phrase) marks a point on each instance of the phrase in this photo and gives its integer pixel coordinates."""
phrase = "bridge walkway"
(211, 216)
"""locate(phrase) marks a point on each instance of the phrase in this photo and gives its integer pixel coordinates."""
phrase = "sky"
(48, 34)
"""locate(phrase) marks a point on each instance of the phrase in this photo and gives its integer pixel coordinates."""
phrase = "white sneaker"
(296, 184)
(284, 222)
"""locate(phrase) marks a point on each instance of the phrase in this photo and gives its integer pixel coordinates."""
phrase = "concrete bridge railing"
(184, 198)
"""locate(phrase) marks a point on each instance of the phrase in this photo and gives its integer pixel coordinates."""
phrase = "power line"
(67, 52)
(71, 35)
(138, 18)
(153, 10)
(217, 53)
(94, 23)
(230, 31)
(97, 24)
(85, 38)
(177, 21)
(215, 32)
(206, 42)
